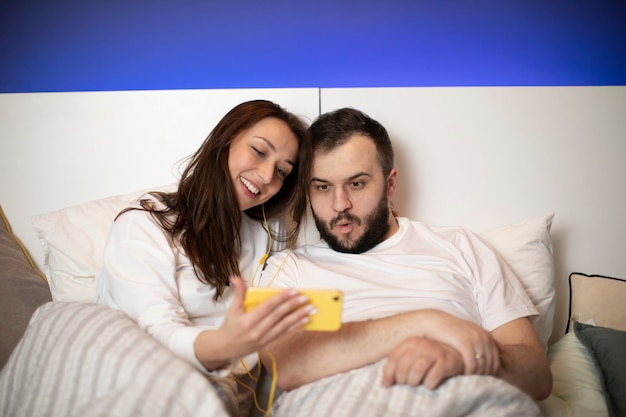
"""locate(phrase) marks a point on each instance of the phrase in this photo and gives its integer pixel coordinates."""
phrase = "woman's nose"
(266, 172)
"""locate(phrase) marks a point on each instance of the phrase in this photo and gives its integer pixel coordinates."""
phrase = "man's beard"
(376, 226)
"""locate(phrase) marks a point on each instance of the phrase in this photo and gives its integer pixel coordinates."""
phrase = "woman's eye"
(257, 151)
(282, 172)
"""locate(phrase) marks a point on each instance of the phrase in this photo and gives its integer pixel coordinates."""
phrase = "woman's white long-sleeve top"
(147, 274)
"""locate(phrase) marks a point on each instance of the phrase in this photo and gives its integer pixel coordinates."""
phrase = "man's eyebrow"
(273, 148)
(360, 174)
(351, 178)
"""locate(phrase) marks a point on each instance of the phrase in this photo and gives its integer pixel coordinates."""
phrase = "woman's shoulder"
(135, 222)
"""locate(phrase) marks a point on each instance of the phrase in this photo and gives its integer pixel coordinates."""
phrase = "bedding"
(72, 239)
(597, 299)
(576, 389)
(360, 393)
(607, 347)
(587, 364)
(84, 359)
(598, 319)
(527, 248)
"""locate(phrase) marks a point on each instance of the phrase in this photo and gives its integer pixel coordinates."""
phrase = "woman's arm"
(146, 276)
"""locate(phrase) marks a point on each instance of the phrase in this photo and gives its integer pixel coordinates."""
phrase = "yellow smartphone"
(327, 304)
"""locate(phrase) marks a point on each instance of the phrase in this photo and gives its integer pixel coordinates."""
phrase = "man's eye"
(357, 184)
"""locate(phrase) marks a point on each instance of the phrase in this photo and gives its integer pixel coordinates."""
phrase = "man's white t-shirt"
(444, 268)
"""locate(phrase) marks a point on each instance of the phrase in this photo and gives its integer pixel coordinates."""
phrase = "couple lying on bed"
(421, 304)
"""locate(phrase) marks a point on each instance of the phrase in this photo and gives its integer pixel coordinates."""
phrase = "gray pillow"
(22, 290)
(608, 349)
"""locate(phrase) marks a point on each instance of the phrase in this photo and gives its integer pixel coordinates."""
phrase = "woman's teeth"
(249, 185)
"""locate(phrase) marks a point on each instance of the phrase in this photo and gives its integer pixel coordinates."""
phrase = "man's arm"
(523, 361)
(303, 356)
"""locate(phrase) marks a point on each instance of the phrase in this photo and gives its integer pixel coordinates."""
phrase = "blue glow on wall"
(129, 45)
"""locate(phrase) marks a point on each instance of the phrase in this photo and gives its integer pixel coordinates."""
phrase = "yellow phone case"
(327, 303)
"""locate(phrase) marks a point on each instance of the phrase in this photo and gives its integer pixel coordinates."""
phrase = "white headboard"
(478, 157)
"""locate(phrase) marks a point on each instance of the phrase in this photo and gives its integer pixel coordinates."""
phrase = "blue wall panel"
(138, 44)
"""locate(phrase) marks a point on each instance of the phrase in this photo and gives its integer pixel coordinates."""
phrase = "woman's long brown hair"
(206, 217)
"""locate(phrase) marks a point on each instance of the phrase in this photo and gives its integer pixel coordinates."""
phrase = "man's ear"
(392, 180)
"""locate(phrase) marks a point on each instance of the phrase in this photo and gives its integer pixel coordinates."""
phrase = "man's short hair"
(334, 128)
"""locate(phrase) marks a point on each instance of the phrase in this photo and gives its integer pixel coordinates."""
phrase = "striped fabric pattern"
(360, 393)
(79, 359)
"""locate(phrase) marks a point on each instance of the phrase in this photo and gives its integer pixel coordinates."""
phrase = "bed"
(63, 355)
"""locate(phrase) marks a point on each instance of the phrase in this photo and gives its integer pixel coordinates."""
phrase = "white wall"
(484, 157)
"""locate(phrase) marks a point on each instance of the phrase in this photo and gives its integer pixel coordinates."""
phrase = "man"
(430, 303)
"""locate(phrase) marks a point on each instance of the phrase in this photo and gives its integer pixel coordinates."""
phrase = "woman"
(175, 262)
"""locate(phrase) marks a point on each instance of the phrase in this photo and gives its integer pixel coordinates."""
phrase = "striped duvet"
(82, 359)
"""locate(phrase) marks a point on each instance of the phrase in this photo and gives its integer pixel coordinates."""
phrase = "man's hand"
(480, 351)
(418, 361)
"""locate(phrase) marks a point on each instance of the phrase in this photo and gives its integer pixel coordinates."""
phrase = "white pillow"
(73, 240)
(576, 380)
(527, 249)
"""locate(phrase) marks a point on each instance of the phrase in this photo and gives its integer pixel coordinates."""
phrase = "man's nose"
(341, 202)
